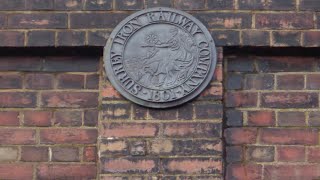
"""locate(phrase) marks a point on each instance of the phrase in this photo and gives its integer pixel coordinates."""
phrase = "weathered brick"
(312, 5)
(234, 117)
(190, 4)
(129, 4)
(17, 99)
(285, 171)
(20, 63)
(98, 37)
(8, 154)
(108, 92)
(114, 147)
(116, 111)
(138, 148)
(285, 64)
(159, 3)
(37, 118)
(286, 38)
(21, 171)
(218, 73)
(91, 118)
(291, 153)
(192, 165)
(70, 81)
(11, 38)
(313, 81)
(38, 21)
(129, 165)
(240, 64)
(234, 154)
(218, 4)
(71, 38)
(39, 4)
(9, 118)
(291, 119)
(255, 38)
(241, 99)
(93, 5)
(234, 81)
(284, 21)
(289, 136)
(68, 135)
(65, 154)
(226, 37)
(129, 130)
(41, 38)
(212, 92)
(261, 118)
(244, 171)
(192, 130)
(165, 114)
(66, 171)
(95, 20)
(314, 118)
(71, 64)
(239, 135)
(34, 154)
(259, 81)
(39, 81)
(310, 38)
(225, 20)
(289, 100)
(13, 5)
(140, 112)
(208, 111)
(290, 82)
(17, 136)
(69, 99)
(68, 118)
(260, 154)
(68, 5)
(313, 154)
(267, 5)
(92, 81)
(90, 154)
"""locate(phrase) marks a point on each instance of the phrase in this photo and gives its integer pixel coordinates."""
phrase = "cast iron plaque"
(160, 57)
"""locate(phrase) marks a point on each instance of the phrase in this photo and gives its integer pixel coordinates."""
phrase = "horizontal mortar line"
(161, 138)
(218, 121)
(165, 156)
(287, 163)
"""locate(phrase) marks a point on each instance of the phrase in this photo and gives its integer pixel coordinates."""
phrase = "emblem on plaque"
(160, 57)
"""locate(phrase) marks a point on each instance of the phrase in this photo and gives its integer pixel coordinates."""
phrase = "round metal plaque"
(160, 57)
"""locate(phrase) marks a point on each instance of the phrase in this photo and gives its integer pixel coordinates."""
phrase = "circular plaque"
(160, 57)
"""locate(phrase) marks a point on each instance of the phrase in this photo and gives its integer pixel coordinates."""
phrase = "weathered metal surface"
(160, 57)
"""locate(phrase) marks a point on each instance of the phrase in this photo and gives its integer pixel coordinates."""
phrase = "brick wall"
(48, 117)
(182, 142)
(272, 117)
(29, 23)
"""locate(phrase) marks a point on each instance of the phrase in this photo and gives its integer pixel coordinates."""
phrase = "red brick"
(9, 118)
(17, 136)
(65, 154)
(116, 111)
(68, 5)
(17, 99)
(68, 118)
(34, 154)
(290, 82)
(284, 64)
(91, 118)
(40, 38)
(95, 20)
(310, 38)
(98, 37)
(108, 92)
(226, 37)
(66, 171)
(261, 118)
(218, 5)
(38, 21)
(11, 38)
(113, 147)
(289, 100)
(129, 165)
(225, 20)
(129, 4)
(244, 171)
(13, 63)
(69, 99)
(39, 4)
(90, 154)
(119, 130)
(71, 64)
(92, 81)
(289, 136)
(218, 73)
(212, 92)
(71, 38)
(39, 81)
(260, 153)
(241, 135)
(281, 172)
(37, 118)
(93, 5)
(192, 130)
(241, 99)
(313, 154)
(267, 5)
(284, 21)
(208, 111)
(234, 154)
(68, 135)
(291, 119)
(70, 81)
(192, 165)
(291, 153)
(259, 81)
(313, 81)
(16, 171)
(255, 38)
(190, 4)
(286, 38)
(314, 118)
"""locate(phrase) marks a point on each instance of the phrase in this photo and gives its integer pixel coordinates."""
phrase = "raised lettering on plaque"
(160, 57)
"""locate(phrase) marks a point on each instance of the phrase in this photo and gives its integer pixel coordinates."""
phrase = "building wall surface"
(60, 118)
